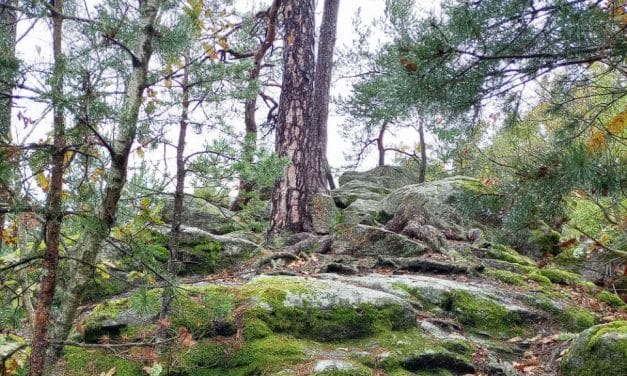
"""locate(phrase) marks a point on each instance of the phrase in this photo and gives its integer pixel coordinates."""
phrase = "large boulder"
(435, 210)
(363, 240)
(325, 310)
(599, 350)
(202, 252)
(203, 215)
(362, 211)
(355, 190)
(390, 177)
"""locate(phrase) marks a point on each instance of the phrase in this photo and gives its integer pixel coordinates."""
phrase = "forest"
(334, 188)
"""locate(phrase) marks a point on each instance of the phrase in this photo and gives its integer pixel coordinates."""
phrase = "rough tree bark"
(54, 205)
(297, 134)
(8, 22)
(250, 107)
(104, 218)
(322, 83)
(423, 154)
(179, 196)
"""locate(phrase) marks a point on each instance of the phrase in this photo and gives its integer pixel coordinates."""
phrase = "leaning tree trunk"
(54, 207)
(104, 219)
(8, 68)
(324, 70)
(296, 134)
(380, 144)
(250, 107)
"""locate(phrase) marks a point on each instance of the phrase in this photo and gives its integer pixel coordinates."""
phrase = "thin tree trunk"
(101, 223)
(250, 107)
(8, 22)
(296, 134)
(54, 209)
(380, 144)
(179, 196)
(423, 154)
(324, 71)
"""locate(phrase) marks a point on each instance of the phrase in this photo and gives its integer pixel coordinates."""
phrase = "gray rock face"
(599, 350)
(363, 240)
(361, 212)
(330, 365)
(203, 215)
(355, 190)
(323, 212)
(439, 193)
(435, 291)
(202, 251)
(390, 177)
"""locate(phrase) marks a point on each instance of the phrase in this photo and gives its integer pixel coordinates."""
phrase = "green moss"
(561, 276)
(611, 299)
(357, 370)
(459, 346)
(338, 323)
(483, 314)
(415, 293)
(255, 328)
(506, 277)
(505, 253)
(80, 362)
(107, 310)
(535, 276)
(577, 319)
(99, 288)
(207, 258)
(256, 357)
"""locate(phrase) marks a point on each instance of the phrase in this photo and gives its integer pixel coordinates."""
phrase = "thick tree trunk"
(179, 196)
(8, 21)
(423, 154)
(297, 134)
(250, 107)
(324, 70)
(101, 223)
(380, 144)
(54, 207)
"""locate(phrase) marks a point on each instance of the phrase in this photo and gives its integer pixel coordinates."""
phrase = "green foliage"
(145, 302)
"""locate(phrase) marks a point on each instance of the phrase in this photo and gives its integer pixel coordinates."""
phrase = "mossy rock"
(321, 310)
(506, 277)
(482, 314)
(258, 357)
(505, 253)
(611, 299)
(600, 350)
(561, 276)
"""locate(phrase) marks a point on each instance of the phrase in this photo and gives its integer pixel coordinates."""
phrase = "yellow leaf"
(617, 125)
(140, 152)
(144, 203)
(168, 83)
(67, 157)
(42, 181)
(596, 142)
(102, 271)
